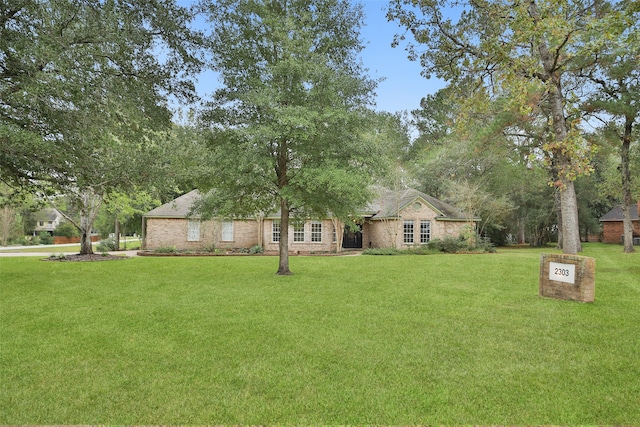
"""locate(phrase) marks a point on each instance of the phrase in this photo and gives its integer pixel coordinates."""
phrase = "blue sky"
(403, 86)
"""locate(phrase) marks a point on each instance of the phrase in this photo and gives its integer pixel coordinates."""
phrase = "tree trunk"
(116, 243)
(570, 225)
(283, 264)
(86, 246)
(338, 228)
(568, 202)
(558, 207)
(88, 211)
(521, 233)
(626, 186)
(7, 224)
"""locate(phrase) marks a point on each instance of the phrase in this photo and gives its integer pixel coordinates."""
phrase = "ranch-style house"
(393, 219)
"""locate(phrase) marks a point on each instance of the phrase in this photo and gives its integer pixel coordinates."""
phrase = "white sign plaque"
(562, 272)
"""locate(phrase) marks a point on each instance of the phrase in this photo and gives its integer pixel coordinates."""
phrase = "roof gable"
(177, 208)
(389, 203)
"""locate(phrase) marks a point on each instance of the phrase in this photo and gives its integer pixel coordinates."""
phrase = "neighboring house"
(612, 227)
(394, 219)
(47, 220)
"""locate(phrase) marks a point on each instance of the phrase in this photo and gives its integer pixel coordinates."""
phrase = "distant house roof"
(387, 204)
(615, 214)
(47, 214)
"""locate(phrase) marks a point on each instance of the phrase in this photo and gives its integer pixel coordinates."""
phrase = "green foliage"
(257, 249)
(461, 244)
(291, 111)
(166, 250)
(448, 244)
(82, 84)
(106, 245)
(66, 229)
(43, 238)
(211, 248)
(382, 251)
(509, 62)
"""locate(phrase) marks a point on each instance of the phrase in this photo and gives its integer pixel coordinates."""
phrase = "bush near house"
(66, 229)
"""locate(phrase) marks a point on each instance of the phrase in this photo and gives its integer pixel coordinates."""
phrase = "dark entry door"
(352, 238)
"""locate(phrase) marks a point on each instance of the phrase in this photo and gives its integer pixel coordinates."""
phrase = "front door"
(352, 239)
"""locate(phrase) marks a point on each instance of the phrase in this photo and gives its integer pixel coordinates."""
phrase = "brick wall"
(383, 233)
(326, 245)
(169, 232)
(612, 230)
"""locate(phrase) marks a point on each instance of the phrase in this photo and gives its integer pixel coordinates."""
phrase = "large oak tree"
(524, 51)
(286, 126)
(84, 88)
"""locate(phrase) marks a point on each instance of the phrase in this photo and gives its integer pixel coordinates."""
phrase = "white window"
(425, 231)
(275, 230)
(334, 235)
(316, 231)
(298, 232)
(408, 231)
(227, 231)
(193, 232)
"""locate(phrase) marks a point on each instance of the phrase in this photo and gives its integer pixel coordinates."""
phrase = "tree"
(524, 51)
(286, 128)
(122, 207)
(84, 88)
(614, 71)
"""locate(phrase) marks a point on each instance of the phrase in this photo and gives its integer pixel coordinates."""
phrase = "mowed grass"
(440, 339)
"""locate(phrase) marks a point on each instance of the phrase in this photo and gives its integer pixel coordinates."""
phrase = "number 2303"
(561, 272)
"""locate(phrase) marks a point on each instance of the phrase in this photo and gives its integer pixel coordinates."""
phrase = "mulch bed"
(84, 258)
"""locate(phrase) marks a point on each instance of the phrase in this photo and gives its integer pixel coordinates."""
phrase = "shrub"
(211, 248)
(382, 251)
(166, 250)
(43, 239)
(66, 229)
(257, 249)
(449, 245)
(22, 241)
(106, 245)
(419, 250)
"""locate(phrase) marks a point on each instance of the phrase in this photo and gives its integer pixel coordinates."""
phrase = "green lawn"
(439, 339)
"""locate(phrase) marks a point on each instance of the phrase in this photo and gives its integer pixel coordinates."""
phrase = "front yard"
(437, 339)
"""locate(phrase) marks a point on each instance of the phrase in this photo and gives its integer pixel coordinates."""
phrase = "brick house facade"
(393, 219)
(612, 226)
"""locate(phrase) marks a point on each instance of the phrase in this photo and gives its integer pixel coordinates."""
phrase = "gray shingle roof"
(615, 214)
(386, 204)
(389, 203)
(177, 208)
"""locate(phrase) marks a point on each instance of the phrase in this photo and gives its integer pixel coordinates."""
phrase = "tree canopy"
(286, 128)
(84, 91)
(525, 55)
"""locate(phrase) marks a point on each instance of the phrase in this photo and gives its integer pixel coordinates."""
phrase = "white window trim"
(318, 233)
(427, 234)
(227, 231)
(193, 230)
(408, 238)
(275, 235)
(298, 230)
